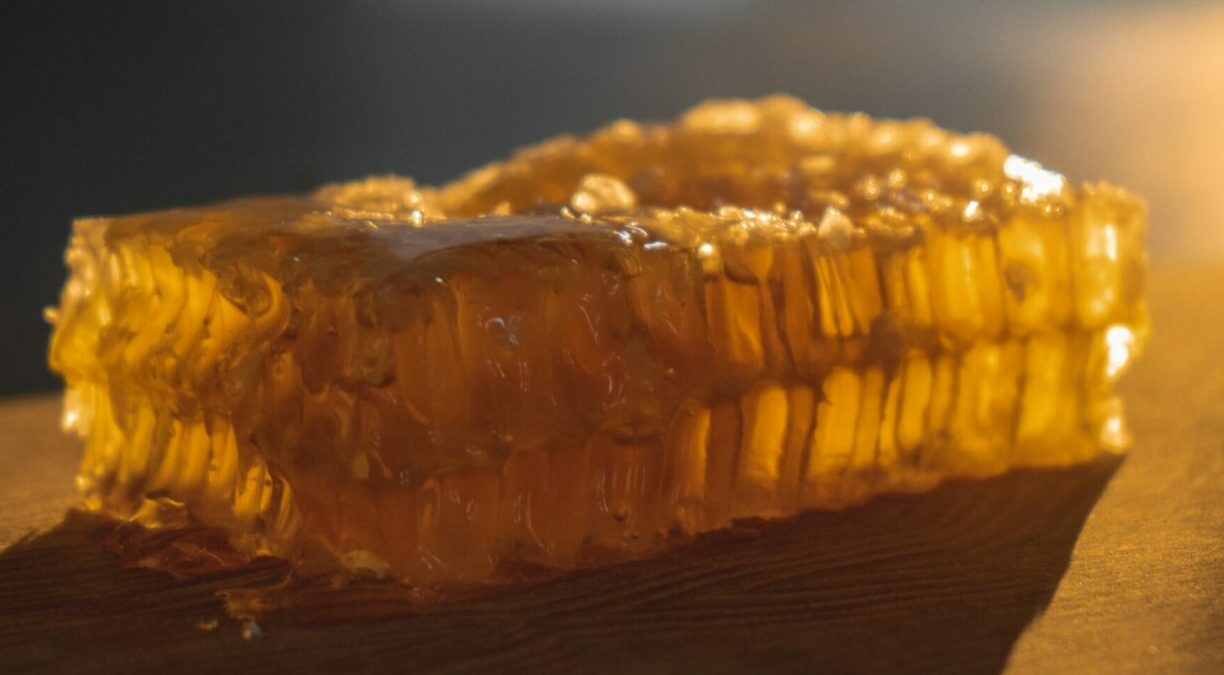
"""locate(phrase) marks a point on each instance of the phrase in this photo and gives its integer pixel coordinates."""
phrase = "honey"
(601, 346)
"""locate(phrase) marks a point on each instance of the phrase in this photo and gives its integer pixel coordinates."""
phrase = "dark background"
(111, 107)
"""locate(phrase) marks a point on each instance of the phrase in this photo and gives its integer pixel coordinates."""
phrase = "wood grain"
(1113, 567)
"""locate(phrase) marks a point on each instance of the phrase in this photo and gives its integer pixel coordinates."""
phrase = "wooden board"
(1114, 567)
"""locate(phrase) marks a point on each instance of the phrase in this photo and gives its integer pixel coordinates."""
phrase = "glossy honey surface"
(602, 345)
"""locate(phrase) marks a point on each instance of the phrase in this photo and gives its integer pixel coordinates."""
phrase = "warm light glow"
(1113, 105)
(1119, 342)
(1038, 181)
(1114, 434)
(70, 419)
(1103, 243)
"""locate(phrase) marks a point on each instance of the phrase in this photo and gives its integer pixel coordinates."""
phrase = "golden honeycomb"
(601, 346)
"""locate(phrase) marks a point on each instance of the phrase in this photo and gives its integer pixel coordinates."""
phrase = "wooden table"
(1114, 567)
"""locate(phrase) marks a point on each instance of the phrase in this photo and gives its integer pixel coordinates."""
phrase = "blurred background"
(123, 106)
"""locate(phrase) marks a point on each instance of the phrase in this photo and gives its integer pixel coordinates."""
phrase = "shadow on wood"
(947, 580)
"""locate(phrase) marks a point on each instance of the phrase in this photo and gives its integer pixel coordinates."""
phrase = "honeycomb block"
(601, 346)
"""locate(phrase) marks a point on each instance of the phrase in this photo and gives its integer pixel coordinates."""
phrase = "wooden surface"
(1114, 567)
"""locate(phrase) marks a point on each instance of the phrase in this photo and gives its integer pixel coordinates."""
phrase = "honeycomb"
(601, 346)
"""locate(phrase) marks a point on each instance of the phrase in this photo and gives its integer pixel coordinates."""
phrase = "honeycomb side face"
(587, 352)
